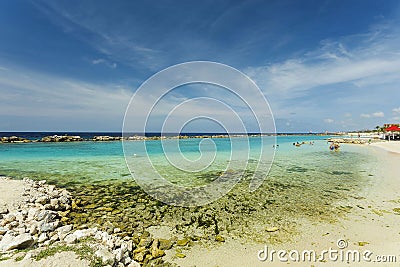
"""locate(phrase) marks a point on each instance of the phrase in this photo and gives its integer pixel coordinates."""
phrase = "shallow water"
(305, 183)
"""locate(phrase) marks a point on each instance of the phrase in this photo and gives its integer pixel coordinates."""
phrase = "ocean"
(307, 182)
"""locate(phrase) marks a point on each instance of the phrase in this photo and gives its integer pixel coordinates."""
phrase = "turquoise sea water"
(90, 161)
(304, 183)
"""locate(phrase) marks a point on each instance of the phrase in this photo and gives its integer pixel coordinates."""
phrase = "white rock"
(70, 239)
(21, 230)
(124, 247)
(105, 255)
(3, 230)
(130, 246)
(48, 227)
(127, 260)
(104, 236)
(13, 224)
(54, 238)
(64, 200)
(118, 254)
(3, 209)
(32, 213)
(43, 237)
(134, 264)
(9, 218)
(110, 243)
(83, 233)
(19, 217)
(28, 255)
(33, 229)
(64, 230)
(21, 241)
(54, 202)
(118, 242)
(42, 200)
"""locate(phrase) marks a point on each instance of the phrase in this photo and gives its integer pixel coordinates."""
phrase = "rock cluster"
(36, 221)
(14, 139)
(347, 141)
(357, 141)
(106, 138)
(40, 221)
(61, 138)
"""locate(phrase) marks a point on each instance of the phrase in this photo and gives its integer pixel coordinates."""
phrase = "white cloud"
(396, 110)
(97, 61)
(374, 60)
(329, 120)
(105, 62)
(347, 115)
(28, 93)
(378, 114)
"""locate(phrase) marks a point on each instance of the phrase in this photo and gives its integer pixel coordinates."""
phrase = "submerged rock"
(272, 229)
(219, 238)
(180, 255)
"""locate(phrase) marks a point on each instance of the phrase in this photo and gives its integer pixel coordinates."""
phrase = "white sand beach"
(392, 146)
(372, 225)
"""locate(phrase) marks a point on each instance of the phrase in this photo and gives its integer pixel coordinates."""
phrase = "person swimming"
(334, 146)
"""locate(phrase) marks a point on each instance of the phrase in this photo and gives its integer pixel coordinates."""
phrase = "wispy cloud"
(350, 73)
(105, 62)
(396, 110)
(28, 93)
(110, 42)
(371, 62)
(378, 114)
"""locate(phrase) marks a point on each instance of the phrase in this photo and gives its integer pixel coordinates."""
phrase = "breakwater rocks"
(63, 138)
(353, 141)
(13, 139)
(105, 138)
(39, 224)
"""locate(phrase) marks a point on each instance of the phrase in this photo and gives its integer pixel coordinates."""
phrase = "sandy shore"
(371, 227)
(392, 146)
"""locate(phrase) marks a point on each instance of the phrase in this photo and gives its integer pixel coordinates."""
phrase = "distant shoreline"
(51, 137)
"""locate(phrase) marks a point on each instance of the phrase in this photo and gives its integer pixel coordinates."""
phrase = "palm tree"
(378, 128)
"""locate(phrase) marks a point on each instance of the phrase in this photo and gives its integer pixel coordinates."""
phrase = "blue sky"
(322, 65)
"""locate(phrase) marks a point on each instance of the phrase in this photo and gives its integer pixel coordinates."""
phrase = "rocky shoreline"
(105, 138)
(39, 224)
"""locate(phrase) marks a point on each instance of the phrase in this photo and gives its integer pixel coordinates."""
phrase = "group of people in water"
(334, 146)
(303, 143)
